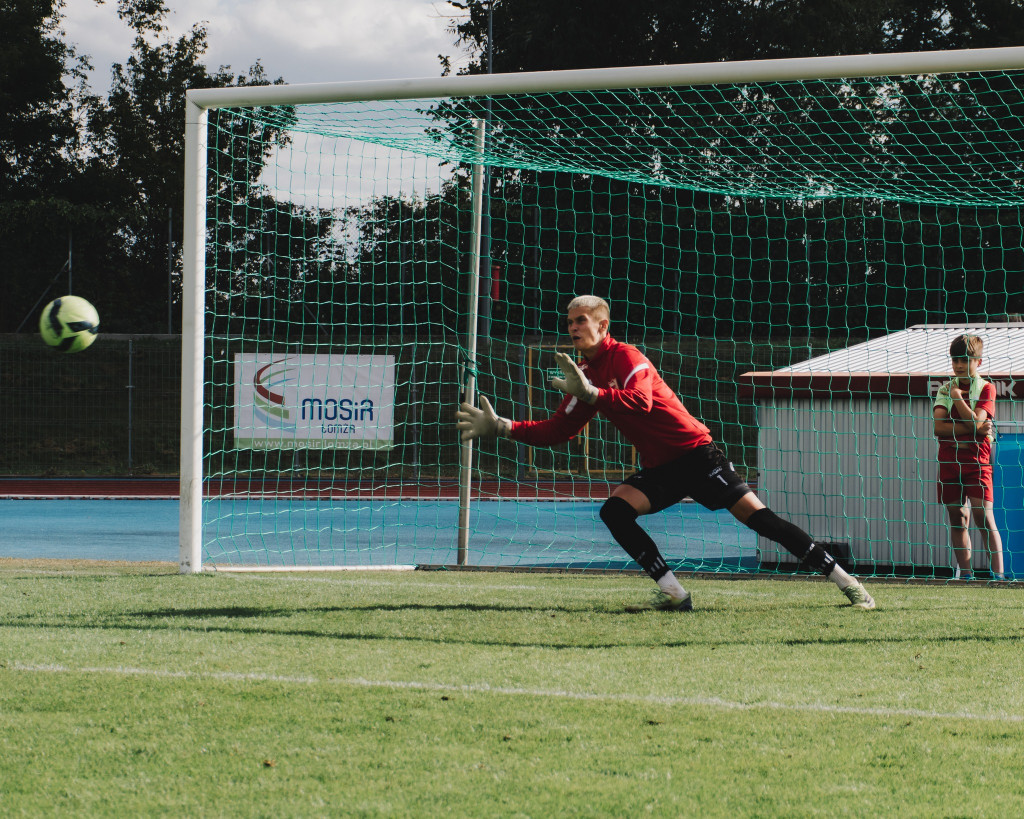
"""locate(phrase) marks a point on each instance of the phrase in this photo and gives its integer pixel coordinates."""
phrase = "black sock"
(793, 539)
(620, 518)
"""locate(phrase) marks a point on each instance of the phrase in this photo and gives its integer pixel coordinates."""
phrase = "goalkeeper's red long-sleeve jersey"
(634, 397)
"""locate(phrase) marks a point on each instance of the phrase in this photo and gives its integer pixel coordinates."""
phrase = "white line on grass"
(484, 688)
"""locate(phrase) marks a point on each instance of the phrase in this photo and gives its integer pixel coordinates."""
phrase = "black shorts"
(703, 474)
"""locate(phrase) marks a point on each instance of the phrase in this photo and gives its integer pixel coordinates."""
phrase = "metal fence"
(112, 409)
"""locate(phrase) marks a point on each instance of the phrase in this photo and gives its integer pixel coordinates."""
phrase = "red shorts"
(958, 482)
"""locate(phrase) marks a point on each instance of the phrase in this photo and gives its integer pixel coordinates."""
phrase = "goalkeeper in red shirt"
(677, 455)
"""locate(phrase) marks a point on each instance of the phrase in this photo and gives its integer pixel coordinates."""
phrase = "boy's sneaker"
(661, 601)
(858, 595)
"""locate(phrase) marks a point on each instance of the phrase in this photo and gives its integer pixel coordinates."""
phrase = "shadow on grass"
(647, 625)
(248, 611)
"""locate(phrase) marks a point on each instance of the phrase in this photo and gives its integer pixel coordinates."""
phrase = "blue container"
(1008, 477)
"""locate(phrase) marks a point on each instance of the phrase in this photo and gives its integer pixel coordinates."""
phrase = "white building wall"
(862, 472)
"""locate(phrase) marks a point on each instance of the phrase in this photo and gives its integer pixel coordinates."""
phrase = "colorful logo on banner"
(268, 403)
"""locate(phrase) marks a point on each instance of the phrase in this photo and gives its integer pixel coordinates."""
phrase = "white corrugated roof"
(923, 348)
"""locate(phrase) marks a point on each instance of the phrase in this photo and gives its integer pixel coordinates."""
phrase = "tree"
(40, 89)
(103, 176)
(649, 241)
(539, 35)
(137, 136)
(41, 95)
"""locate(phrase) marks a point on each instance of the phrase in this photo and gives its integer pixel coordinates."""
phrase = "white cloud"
(95, 31)
(299, 40)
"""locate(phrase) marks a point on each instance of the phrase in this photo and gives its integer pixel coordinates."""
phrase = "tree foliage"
(546, 35)
(137, 134)
(751, 265)
(42, 98)
(103, 175)
(39, 138)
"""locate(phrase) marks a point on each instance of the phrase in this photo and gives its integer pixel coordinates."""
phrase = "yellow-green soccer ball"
(69, 324)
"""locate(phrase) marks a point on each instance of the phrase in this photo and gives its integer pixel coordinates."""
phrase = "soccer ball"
(69, 324)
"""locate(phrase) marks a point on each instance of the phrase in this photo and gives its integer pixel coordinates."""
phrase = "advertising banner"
(314, 401)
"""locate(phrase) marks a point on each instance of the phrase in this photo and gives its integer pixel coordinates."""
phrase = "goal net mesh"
(747, 236)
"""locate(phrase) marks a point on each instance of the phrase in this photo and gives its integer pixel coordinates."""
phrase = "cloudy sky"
(299, 40)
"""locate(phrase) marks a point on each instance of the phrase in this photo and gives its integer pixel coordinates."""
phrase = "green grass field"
(131, 690)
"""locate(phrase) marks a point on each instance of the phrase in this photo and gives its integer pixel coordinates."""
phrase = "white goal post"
(200, 101)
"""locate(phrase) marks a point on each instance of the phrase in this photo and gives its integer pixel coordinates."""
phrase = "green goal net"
(794, 256)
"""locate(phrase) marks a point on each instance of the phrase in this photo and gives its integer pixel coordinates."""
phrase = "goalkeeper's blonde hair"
(594, 305)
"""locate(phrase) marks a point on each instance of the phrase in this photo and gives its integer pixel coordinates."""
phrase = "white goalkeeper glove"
(575, 382)
(482, 422)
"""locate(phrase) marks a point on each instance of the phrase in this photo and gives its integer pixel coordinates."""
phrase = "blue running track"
(290, 532)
